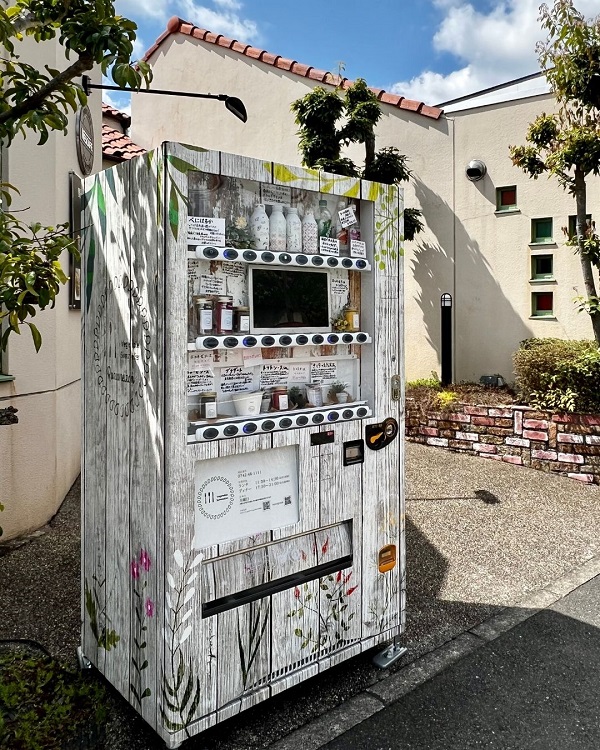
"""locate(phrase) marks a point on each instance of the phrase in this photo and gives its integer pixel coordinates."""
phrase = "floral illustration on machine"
(95, 606)
(330, 608)
(143, 607)
(181, 687)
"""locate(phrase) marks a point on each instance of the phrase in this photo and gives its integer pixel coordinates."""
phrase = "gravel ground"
(480, 536)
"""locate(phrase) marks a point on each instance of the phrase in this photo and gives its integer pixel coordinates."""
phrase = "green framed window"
(542, 267)
(506, 198)
(541, 230)
(542, 304)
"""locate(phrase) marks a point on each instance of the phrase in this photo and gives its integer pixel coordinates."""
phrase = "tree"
(41, 101)
(566, 145)
(317, 115)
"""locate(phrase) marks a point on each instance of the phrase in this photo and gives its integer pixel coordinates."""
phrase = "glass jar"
(204, 315)
(280, 398)
(352, 319)
(241, 319)
(208, 405)
(223, 315)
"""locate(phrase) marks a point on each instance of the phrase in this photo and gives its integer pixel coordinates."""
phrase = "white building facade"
(505, 263)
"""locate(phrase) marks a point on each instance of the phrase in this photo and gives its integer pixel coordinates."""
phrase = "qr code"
(287, 500)
(266, 505)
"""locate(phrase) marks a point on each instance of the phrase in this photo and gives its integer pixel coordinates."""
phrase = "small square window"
(506, 198)
(542, 304)
(541, 230)
(573, 224)
(542, 267)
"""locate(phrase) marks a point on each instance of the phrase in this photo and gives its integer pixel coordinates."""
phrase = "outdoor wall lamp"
(232, 103)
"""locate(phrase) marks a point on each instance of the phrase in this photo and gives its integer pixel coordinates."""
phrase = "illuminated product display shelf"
(208, 252)
(228, 427)
(258, 341)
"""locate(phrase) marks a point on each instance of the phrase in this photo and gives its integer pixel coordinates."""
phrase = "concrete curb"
(327, 727)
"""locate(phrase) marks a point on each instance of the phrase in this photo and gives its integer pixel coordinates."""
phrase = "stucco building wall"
(40, 456)
(480, 256)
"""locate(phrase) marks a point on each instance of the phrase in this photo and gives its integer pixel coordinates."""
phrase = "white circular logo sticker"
(215, 497)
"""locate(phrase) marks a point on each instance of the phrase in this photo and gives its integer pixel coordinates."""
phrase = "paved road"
(536, 686)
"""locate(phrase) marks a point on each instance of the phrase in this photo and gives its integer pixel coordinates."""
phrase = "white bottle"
(293, 231)
(310, 233)
(259, 226)
(277, 229)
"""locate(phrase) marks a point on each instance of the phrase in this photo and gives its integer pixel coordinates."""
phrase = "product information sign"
(245, 494)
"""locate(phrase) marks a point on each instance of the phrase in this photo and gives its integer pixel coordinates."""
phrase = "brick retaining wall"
(563, 443)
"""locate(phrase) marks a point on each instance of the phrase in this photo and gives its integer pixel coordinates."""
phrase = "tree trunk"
(586, 264)
(369, 150)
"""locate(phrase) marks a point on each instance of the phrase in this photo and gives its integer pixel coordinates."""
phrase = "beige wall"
(40, 456)
(481, 258)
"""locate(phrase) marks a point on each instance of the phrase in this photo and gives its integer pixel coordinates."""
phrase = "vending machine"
(242, 470)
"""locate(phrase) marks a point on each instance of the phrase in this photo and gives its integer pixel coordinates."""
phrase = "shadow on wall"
(487, 328)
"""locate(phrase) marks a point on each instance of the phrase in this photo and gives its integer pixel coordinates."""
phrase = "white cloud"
(229, 4)
(122, 102)
(228, 21)
(155, 9)
(495, 47)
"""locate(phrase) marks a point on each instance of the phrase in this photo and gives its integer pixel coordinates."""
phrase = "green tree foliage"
(566, 145)
(35, 101)
(321, 140)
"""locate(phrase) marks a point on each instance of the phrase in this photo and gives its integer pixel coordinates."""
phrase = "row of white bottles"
(281, 233)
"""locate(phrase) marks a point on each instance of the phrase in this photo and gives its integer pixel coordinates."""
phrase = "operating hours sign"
(246, 494)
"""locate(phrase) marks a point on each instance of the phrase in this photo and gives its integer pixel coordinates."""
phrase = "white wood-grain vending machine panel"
(242, 528)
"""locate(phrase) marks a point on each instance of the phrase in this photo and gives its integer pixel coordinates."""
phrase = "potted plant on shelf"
(297, 397)
(338, 392)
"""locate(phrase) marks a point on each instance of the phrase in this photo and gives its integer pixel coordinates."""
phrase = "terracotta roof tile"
(176, 24)
(116, 114)
(118, 146)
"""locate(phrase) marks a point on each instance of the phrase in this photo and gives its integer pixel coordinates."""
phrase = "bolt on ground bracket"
(389, 655)
(84, 662)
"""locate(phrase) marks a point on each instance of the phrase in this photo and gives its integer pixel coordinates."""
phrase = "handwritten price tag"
(329, 246)
(347, 217)
(358, 249)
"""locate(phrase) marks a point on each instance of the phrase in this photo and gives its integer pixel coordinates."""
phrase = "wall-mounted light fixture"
(232, 103)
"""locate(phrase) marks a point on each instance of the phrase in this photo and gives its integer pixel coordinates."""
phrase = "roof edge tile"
(178, 25)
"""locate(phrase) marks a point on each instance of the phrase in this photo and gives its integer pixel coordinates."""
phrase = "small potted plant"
(297, 397)
(337, 391)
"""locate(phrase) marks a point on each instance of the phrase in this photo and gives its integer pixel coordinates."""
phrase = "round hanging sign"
(85, 140)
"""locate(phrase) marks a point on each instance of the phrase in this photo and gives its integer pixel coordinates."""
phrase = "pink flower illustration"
(297, 592)
(149, 606)
(348, 577)
(338, 578)
(325, 546)
(145, 560)
(351, 590)
(135, 570)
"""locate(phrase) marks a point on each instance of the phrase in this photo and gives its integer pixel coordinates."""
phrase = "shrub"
(44, 706)
(558, 375)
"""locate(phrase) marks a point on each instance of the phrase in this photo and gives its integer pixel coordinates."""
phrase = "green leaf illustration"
(180, 165)
(174, 211)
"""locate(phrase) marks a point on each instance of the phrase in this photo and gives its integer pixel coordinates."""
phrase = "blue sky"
(431, 50)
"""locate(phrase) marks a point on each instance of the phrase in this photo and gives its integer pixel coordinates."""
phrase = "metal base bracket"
(84, 662)
(389, 655)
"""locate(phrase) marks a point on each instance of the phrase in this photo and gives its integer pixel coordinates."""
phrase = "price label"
(358, 249)
(329, 246)
(206, 230)
(347, 217)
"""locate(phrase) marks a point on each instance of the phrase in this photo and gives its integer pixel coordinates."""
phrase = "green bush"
(44, 706)
(558, 375)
